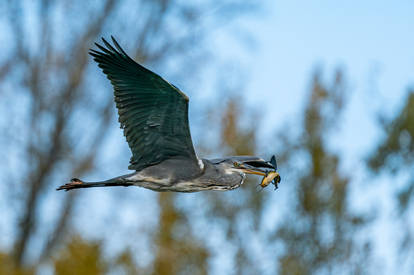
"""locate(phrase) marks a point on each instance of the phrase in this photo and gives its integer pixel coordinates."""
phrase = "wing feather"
(152, 112)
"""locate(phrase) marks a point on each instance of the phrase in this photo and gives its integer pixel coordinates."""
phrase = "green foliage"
(8, 266)
(81, 257)
(237, 140)
(177, 251)
(395, 154)
(125, 262)
(397, 148)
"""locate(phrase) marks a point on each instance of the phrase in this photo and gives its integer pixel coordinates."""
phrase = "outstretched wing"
(152, 112)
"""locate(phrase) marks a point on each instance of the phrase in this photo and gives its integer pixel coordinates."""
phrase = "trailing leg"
(77, 183)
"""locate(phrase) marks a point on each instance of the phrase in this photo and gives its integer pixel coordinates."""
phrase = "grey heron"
(153, 114)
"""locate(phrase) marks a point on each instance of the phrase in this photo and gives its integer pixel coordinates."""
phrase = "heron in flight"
(154, 116)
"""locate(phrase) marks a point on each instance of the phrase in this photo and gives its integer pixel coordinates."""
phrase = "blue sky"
(372, 41)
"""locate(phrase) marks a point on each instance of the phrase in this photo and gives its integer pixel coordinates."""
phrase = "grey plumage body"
(179, 175)
(154, 116)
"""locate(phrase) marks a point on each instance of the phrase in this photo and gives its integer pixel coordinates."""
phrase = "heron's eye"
(236, 164)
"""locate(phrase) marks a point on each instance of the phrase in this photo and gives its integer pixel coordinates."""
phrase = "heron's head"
(256, 166)
(247, 165)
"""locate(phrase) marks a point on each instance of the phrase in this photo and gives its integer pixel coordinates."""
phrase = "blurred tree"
(318, 234)
(177, 250)
(46, 88)
(8, 267)
(81, 257)
(239, 212)
(395, 154)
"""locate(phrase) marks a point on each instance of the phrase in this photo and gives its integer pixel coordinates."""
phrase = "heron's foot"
(74, 183)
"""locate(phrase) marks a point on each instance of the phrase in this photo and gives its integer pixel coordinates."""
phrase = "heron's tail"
(77, 183)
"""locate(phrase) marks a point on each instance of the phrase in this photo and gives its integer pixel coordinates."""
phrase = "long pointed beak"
(250, 169)
(254, 172)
